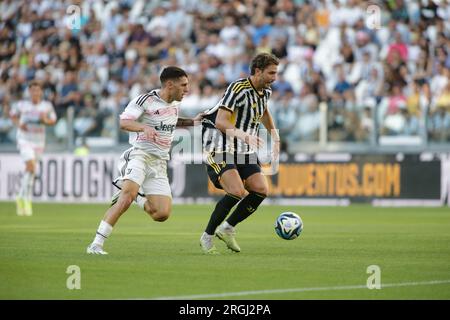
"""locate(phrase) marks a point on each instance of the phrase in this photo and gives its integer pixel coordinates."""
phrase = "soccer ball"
(288, 226)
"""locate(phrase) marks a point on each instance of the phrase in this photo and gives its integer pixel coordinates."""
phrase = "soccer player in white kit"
(31, 117)
(151, 119)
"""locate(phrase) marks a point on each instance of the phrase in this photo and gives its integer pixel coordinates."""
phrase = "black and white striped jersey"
(247, 107)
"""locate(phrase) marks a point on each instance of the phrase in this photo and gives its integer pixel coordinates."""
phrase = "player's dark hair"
(262, 61)
(35, 83)
(170, 73)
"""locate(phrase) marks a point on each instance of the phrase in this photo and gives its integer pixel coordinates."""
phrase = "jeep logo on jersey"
(165, 127)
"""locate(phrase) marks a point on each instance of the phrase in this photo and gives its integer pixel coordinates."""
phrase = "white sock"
(29, 191)
(206, 236)
(27, 185)
(140, 201)
(103, 232)
(227, 226)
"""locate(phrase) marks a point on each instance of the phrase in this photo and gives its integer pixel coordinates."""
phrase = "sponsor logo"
(165, 127)
(257, 118)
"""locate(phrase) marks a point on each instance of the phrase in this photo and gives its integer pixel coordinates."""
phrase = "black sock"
(246, 207)
(219, 214)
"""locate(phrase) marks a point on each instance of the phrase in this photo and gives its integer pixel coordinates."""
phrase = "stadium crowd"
(391, 77)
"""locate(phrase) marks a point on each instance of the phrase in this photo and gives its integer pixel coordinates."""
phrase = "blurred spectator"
(399, 10)
(308, 124)
(372, 87)
(68, 93)
(412, 124)
(86, 121)
(440, 80)
(328, 54)
(7, 41)
(336, 120)
(439, 119)
(439, 125)
(281, 85)
(396, 101)
(6, 124)
(130, 70)
(83, 149)
(367, 124)
(260, 28)
(342, 84)
(285, 113)
(394, 122)
(390, 105)
(398, 47)
(281, 29)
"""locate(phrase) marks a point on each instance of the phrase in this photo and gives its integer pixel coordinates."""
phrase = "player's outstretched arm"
(269, 124)
(15, 120)
(14, 115)
(48, 120)
(134, 126)
(186, 122)
(224, 124)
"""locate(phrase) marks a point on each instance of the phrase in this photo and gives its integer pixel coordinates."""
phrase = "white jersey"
(151, 110)
(30, 114)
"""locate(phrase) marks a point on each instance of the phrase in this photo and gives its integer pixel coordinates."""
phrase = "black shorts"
(217, 163)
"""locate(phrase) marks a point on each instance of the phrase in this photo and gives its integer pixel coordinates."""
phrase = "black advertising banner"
(360, 179)
(354, 178)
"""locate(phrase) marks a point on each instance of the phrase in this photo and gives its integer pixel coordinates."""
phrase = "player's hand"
(276, 150)
(23, 126)
(254, 141)
(45, 119)
(198, 118)
(150, 133)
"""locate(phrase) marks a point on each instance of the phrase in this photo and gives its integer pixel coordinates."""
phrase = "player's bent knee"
(158, 211)
(30, 167)
(148, 209)
(161, 215)
(238, 192)
(160, 218)
(261, 190)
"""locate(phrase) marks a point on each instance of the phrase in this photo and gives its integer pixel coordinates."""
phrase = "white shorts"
(147, 170)
(29, 152)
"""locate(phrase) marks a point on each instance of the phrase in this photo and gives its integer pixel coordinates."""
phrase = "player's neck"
(255, 84)
(36, 101)
(165, 95)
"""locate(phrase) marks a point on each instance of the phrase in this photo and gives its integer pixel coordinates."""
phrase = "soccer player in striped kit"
(151, 120)
(31, 117)
(230, 140)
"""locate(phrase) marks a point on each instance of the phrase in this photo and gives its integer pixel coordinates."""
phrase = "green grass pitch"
(150, 260)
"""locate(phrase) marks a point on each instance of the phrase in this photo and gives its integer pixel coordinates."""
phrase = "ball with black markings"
(288, 225)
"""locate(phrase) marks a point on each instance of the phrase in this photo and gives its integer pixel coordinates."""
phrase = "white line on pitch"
(277, 291)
